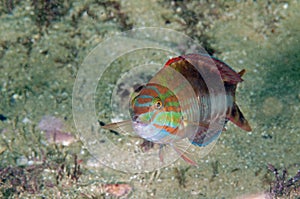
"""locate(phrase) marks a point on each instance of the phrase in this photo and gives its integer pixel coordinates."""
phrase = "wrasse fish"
(188, 102)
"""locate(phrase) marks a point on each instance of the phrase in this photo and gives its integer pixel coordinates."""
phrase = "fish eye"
(157, 103)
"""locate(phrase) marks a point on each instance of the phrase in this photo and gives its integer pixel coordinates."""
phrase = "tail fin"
(235, 115)
(242, 72)
(238, 118)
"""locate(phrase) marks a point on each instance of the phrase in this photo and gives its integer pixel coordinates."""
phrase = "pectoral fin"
(124, 127)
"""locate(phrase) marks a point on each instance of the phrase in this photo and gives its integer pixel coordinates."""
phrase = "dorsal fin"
(227, 73)
(237, 117)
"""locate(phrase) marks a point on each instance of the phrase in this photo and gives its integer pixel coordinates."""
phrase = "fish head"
(156, 114)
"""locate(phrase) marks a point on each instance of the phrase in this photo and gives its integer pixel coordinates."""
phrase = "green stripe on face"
(165, 95)
(170, 119)
(146, 117)
(176, 104)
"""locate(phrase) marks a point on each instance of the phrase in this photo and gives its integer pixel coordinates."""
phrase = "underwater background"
(42, 47)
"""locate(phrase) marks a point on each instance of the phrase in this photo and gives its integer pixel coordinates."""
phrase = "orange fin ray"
(184, 156)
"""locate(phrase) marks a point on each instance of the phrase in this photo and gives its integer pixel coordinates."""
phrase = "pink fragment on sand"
(50, 123)
(60, 137)
(117, 190)
(53, 129)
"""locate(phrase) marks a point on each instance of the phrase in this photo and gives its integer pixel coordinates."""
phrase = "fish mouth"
(137, 121)
(145, 129)
(135, 118)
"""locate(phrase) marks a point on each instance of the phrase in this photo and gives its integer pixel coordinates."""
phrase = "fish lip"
(134, 118)
(138, 122)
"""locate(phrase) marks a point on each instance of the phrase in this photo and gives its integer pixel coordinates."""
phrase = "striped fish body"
(156, 114)
(159, 115)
